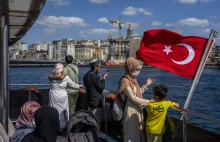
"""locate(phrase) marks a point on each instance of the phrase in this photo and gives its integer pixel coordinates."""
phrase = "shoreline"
(51, 65)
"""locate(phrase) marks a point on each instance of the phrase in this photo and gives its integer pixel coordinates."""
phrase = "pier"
(33, 63)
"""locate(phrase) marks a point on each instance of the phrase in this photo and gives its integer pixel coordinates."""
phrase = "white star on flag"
(167, 49)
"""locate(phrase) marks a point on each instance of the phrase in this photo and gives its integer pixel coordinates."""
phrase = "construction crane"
(120, 26)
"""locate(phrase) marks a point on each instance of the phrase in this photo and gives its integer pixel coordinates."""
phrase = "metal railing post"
(29, 93)
(4, 65)
(106, 130)
(184, 127)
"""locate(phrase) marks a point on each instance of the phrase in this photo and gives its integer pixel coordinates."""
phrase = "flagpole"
(212, 35)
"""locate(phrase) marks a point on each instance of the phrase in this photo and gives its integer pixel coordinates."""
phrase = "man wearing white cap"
(94, 87)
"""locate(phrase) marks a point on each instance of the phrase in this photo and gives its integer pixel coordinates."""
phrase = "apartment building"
(62, 48)
(119, 50)
(84, 52)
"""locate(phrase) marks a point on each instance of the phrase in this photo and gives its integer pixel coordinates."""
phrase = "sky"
(89, 19)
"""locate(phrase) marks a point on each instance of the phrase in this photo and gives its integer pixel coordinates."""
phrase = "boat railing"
(183, 111)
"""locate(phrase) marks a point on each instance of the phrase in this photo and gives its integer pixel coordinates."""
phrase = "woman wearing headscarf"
(47, 126)
(129, 88)
(25, 122)
(58, 97)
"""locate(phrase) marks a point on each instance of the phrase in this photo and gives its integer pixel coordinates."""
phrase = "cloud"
(60, 2)
(193, 22)
(129, 11)
(215, 24)
(96, 32)
(156, 23)
(194, 1)
(213, 17)
(207, 0)
(206, 30)
(147, 13)
(170, 24)
(188, 22)
(178, 31)
(134, 11)
(83, 35)
(48, 31)
(103, 20)
(187, 1)
(98, 1)
(61, 22)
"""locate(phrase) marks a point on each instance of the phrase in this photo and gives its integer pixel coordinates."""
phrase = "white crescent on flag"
(190, 56)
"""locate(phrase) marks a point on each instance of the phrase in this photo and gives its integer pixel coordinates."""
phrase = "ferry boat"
(113, 64)
(16, 18)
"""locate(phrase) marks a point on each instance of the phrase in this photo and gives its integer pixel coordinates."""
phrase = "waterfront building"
(32, 47)
(214, 54)
(16, 50)
(62, 48)
(134, 46)
(84, 52)
(119, 50)
(105, 46)
(99, 53)
(42, 46)
(51, 52)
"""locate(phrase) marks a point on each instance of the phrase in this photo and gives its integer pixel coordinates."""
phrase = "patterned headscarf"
(27, 113)
(58, 69)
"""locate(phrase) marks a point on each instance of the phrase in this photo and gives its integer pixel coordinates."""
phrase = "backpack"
(83, 127)
(119, 105)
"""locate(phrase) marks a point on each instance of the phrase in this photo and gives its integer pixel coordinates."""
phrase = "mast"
(209, 43)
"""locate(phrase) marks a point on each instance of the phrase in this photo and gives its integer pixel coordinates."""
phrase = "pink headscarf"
(58, 69)
(27, 113)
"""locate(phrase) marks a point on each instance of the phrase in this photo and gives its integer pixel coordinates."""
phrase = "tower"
(110, 36)
(130, 32)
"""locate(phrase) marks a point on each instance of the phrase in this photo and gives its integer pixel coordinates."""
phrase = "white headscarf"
(58, 69)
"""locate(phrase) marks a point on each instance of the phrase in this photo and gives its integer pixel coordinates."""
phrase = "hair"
(160, 91)
(93, 67)
(69, 59)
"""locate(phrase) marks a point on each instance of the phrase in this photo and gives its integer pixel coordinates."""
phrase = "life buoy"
(111, 96)
(37, 93)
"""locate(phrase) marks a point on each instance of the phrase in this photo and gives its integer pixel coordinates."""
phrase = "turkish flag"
(172, 52)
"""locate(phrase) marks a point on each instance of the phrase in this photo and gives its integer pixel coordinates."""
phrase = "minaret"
(110, 36)
(130, 31)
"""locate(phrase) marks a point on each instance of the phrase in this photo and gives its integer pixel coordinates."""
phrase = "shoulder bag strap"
(126, 95)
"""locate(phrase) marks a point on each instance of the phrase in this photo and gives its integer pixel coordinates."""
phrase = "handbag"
(118, 106)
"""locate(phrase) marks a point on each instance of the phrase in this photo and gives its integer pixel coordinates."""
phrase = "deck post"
(4, 71)
(184, 128)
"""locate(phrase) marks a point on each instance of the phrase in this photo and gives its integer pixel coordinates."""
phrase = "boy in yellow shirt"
(157, 110)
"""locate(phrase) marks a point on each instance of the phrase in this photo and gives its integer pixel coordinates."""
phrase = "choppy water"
(206, 98)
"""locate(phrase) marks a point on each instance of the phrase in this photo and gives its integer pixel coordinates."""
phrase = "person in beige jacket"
(133, 123)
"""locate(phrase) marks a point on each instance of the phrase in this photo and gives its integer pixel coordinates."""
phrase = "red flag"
(172, 52)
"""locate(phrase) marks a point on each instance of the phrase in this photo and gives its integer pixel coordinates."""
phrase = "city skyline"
(89, 19)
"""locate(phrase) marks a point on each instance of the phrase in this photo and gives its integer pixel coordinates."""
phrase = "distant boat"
(113, 63)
